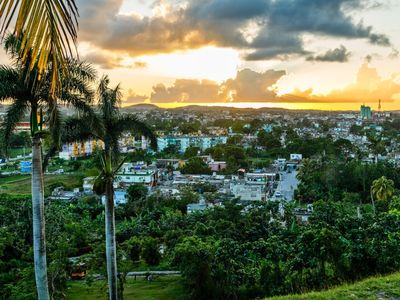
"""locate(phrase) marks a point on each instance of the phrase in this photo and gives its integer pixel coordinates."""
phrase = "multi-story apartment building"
(185, 141)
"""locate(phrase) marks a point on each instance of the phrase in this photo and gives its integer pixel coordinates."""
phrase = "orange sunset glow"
(332, 55)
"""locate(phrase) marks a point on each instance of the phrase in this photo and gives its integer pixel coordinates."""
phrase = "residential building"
(120, 197)
(296, 156)
(88, 183)
(260, 178)
(247, 192)
(185, 141)
(217, 166)
(74, 150)
(131, 173)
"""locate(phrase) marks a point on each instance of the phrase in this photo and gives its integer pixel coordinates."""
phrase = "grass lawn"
(161, 288)
(21, 184)
(375, 288)
(14, 152)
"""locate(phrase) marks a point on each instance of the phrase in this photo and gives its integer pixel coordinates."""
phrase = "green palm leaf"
(48, 29)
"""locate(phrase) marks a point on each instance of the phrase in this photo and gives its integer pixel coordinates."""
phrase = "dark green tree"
(195, 165)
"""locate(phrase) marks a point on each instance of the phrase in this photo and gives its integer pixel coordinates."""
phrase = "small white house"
(249, 192)
(137, 173)
(88, 183)
(296, 156)
(120, 197)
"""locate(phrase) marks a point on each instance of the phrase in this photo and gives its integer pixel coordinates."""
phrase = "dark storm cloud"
(334, 55)
(227, 9)
(281, 25)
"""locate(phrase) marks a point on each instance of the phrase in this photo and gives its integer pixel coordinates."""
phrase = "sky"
(328, 54)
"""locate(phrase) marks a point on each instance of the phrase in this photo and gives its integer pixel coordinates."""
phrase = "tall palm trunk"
(372, 201)
(111, 252)
(39, 240)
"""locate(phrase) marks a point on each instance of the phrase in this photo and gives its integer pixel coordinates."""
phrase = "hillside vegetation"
(379, 288)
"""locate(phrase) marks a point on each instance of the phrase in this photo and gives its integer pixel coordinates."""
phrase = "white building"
(131, 173)
(249, 192)
(296, 156)
(88, 183)
(260, 178)
(120, 197)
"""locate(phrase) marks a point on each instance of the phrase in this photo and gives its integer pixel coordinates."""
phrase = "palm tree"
(47, 29)
(112, 124)
(381, 189)
(33, 97)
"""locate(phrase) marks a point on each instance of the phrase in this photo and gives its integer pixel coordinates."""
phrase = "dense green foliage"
(224, 253)
(71, 230)
(195, 165)
(234, 156)
(333, 179)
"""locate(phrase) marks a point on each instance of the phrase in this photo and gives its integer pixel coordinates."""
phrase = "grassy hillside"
(21, 184)
(377, 288)
(162, 288)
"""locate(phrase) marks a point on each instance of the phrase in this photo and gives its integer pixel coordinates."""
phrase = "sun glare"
(206, 63)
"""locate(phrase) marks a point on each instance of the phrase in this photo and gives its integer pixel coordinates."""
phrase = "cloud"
(188, 91)
(253, 86)
(248, 85)
(334, 55)
(368, 87)
(107, 60)
(102, 60)
(394, 54)
(139, 64)
(133, 98)
(277, 32)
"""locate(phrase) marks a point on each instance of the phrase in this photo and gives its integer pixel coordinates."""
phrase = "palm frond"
(55, 123)
(109, 99)
(48, 29)
(12, 45)
(133, 124)
(10, 83)
(81, 69)
(78, 87)
(49, 154)
(77, 129)
(13, 115)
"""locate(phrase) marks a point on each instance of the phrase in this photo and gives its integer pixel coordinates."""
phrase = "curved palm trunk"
(111, 252)
(39, 240)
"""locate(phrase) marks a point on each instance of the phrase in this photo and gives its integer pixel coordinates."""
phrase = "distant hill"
(220, 108)
(385, 287)
(141, 106)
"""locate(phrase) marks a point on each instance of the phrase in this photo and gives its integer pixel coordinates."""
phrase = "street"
(287, 185)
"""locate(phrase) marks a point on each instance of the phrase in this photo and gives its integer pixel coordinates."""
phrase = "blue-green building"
(365, 112)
